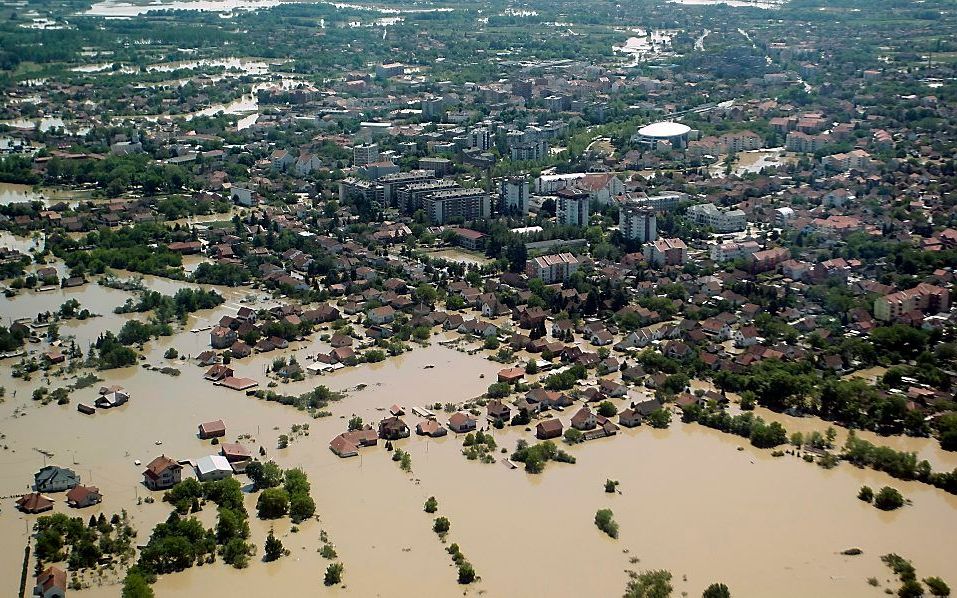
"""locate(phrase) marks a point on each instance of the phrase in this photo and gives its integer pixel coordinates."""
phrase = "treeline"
(166, 309)
(18, 169)
(140, 248)
(117, 174)
(898, 464)
(760, 433)
(222, 274)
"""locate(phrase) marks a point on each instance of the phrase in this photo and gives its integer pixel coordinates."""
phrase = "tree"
(605, 521)
(441, 525)
(937, 586)
(866, 494)
(888, 499)
(301, 507)
(136, 586)
(573, 436)
(659, 418)
(264, 475)
(273, 503)
(333, 574)
(431, 505)
(716, 590)
(426, 294)
(236, 553)
(466, 573)
(649, 584)
(607, 409)
(611, 486)
(274, 548)
(910, 588)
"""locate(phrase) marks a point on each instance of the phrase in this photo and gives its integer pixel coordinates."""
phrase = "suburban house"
(213, 467)
(430, 427)
(461, 422)
(343, 447)
(215, 429)
(584, 419)
(347, 444)
(381, 315)
(235, 452)
(34, 503)
(550, 428)
(221, 337)
(55, 479)
(51, 583)
(393, 428)
(162, 473)
(629, 418)
(83, 496)
(499, 411)
(218, 372)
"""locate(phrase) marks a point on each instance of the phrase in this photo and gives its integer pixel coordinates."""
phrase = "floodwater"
(690, 501)
(752, 161)
(16, 193)
(461, 256)
(647, 45)
(44, 124)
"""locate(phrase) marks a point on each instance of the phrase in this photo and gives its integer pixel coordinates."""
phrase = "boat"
(509, 464)
(429, 366)
(137, 462)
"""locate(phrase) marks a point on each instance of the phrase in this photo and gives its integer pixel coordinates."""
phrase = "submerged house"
(55, 479)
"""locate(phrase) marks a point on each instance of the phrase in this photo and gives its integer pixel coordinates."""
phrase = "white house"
(213, 467)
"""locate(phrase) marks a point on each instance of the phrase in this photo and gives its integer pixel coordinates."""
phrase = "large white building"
(515, 195)
(572, 207)
(726, 252)
(480, 139)
(365, 153)
(721, 220)
(457, 205)
(638, 223)
(552, 268)
(674, 133)
(661, 203)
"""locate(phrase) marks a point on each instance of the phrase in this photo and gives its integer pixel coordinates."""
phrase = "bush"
(937, 586)
(866, 494)
(611, 486)
(888, 499)
(466, 573)
(716, 590)
(333, 574)
(649, 584)
(431, 505)
(274, 548)
(604, 520)
(441, 525)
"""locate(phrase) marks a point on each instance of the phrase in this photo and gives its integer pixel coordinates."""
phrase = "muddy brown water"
(690, 503)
